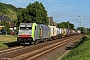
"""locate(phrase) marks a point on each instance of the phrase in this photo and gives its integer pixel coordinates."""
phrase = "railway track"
(33, 51)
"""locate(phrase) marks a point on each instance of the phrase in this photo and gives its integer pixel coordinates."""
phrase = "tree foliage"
(9, 10)
(65, 25)
(6, 26)
(34, 12)
(4, 6)
(88, 30)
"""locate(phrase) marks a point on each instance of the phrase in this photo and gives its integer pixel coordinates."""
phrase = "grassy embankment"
(81, 51)
(7, 41)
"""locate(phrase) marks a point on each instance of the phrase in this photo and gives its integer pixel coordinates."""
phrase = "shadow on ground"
(12, 44)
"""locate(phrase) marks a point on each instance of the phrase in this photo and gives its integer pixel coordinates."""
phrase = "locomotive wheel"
(30, 43)
(46, 40)
(18, 40)
(36, 42)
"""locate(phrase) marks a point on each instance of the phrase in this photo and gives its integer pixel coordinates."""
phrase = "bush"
(81, 50)
(82, 40)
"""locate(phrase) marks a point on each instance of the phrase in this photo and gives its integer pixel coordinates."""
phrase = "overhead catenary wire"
(54, 12)
(61, 13)
(74, 19)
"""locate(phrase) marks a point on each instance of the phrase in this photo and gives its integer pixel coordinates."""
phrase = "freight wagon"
(78, 32)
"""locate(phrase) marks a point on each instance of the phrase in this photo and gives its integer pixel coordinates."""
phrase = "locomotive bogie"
(24, 40)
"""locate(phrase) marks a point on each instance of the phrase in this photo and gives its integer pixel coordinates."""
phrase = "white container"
(53, 30)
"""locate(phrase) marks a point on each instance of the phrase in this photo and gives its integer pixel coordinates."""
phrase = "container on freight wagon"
(64, 33)
(68, 32)
(57, 31)
(60, 31)
(53, 30)
(78, 32)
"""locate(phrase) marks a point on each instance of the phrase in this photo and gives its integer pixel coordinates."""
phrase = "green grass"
(2, 46)
(81, 52)
(7, 41)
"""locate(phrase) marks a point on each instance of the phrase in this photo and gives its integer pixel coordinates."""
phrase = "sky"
(62, 10)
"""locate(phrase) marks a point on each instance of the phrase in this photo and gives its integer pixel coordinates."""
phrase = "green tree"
(6, 26)
(34, 12)
(65, 25)
(88, 30)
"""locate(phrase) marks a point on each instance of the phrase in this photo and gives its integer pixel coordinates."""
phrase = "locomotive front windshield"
(25, 28)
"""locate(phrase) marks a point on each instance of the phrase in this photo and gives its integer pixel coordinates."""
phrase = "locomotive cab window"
(25, 28)
(22, 28)
(28, 28)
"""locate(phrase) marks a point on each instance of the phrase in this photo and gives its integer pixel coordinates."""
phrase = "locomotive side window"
(53, 30)
(35, 27)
